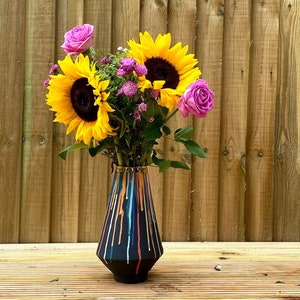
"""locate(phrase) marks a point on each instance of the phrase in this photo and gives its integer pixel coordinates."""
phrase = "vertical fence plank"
(261, 122)
(11, 107)
(65, 174)
(36, 183)
(126, 18)
(204, 208)
(287, 164)
(100, 16)
(94, 181)
(176, 207)
(154, 18)
(234, 119)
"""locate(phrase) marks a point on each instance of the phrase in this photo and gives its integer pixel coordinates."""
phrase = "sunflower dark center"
(83, 100)
(160, 69)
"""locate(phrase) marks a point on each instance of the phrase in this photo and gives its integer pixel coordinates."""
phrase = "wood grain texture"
(11, 107)
(261, 121)
(125, 22)
(37, 146)
(234, 119)
(287, 170)
(154, 16)
(185, 271)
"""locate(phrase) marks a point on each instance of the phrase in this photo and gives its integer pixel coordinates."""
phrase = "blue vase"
(130, 242)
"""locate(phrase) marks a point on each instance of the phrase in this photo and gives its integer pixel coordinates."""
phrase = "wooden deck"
(186, 271)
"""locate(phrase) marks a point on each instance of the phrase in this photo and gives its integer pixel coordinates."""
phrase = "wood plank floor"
(185, 271)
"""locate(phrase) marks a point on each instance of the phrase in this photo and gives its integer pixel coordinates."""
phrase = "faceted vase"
(130, 242)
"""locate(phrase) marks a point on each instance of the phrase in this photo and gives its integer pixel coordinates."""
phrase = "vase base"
(132, 278)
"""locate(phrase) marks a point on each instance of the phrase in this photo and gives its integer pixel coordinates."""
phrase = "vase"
(130, 242)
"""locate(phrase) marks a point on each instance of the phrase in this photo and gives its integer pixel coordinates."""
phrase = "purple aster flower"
(141, 70)
(129, 89)
(127, 65)
(142, 107)
(121, 72)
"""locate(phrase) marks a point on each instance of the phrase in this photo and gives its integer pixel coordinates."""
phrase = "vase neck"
(138, 169)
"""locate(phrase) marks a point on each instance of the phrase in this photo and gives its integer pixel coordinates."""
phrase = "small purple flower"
(121, 73)
(142, 107)
(155, 94)
(137, 115)
(129, 89)
(141, 70)
(106, 60)
(127, 65)
(46, 82)
(53, 69)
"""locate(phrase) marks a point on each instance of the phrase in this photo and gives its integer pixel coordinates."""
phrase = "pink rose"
(198, 99)
(78, 39)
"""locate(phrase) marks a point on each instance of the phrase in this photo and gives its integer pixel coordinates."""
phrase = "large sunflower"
(171, 70)
(78, 99)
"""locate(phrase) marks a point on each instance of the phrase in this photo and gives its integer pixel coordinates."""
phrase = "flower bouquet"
(119, 105)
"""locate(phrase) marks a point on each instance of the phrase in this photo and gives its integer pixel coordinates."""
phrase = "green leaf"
(63, 154)
(184, 134)
(166, 130)
(152, 132)
(102, 145)
(154, 110)
(179, 164)
(164, 165)
(155, 159)
(194, 148)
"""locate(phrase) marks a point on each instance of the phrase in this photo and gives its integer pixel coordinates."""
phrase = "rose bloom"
(198, 99)
(79, 39)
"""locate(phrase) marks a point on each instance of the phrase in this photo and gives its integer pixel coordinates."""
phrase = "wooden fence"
(249, 186)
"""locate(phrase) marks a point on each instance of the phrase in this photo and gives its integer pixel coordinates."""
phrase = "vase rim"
(136, 169)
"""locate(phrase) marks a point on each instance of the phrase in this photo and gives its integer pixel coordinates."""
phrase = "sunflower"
(170, 69)
(78, 99)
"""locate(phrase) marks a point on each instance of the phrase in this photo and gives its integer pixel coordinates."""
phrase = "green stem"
(117, 146)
